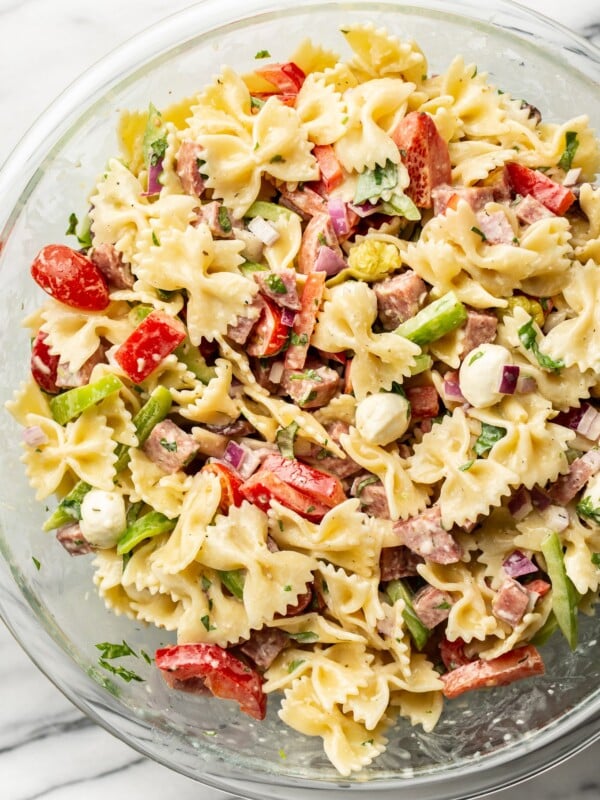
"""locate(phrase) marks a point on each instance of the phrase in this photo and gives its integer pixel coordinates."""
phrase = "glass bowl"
(487, 741)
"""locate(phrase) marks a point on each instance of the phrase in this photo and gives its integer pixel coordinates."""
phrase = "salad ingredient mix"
(316, 391)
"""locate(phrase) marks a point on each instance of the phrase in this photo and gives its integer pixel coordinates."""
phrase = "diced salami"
(510, 602)
(372, 496)
(529, 210)
(399, 298)
(110, 263)
(318, 233)
(319, 456)
(580, 471)
(495, 227)
(244, 325)
(424, 535)
(73, 540)
(398, 562)
(524, 662)
(311, 388)
(480, 328)
(189, 158)
(216, 216)
(305, 202)
(280, 287)
(264, 645)
(302, 603)
(432, 605)
(67, 379)
(475, 196)
(424, 401)
(170, 447)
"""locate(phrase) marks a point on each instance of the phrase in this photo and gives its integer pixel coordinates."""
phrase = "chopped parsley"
(285, 438)
(277, 159)
(206, 583)
(155, 239)
(490, 434)
(275, 283)
(305, 637)
(111, 651)
(293, 665)
(528, 336)
(476, 357)
(262, 54)
(571, 144)
(596, 559)
(37, 563)
(223, 220)
(287, 588)
(170, 446)
(467, 465)
(126, 674)
(84, 235)
(479, 233)
(146, 657)
(299, 339)
(256, 103)
(307, 375)
(585, 508)
(364, 483)
(205, 620)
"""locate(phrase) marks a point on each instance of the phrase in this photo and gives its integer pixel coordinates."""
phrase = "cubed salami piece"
(73, 540)
(305, 202)
(432, 605)
(399, 298)
(480, 328)
(580, 471)
(398, 562)
(67, 379)
(495, 227)
(170, 447)
(311, 388)
(216, 216)
(239, 331)
(475, 196)
(424, 535)
(111, 264)
(264, 645)
(280, 287)
(510, 602)
(372, 496)
(189, 158)
(529, 210)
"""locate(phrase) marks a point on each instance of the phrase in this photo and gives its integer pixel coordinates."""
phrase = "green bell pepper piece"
(233, 580)
(270, 211)
(71, 404)
(154, 410)
(434, 321)
(151, 524)
(69, 508)
(419, 633)
(564, 595)
(191, 356)
(546, 631)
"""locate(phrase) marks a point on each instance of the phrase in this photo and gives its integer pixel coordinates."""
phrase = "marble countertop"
(47, 748)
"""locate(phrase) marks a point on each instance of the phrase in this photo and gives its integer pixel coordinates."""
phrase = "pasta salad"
(315, 388)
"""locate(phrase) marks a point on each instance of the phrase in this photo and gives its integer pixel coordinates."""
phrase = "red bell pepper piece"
(453, 653)
(539, 586)
(70, 277)
(523, 662)
(322, 487)
(287, 98)
(44, 365)
(151, 342)
(425, 155)
(225, 675)
(288, 77)
(264, 486)
(332, 174)
(524, 181)
(269, 335)
(230, 485)
(305, 320)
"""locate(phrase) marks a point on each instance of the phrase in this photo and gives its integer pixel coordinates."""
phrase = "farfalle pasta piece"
(378, 54)
(321, 110)
(374, 109)
(28, 399)
(581, 542)
(313, 57)
(404, 498)
(162, 491)
(345, 323)
(474, 159)
(282, 253)
(470, 485)
(351, 599)
(209, 403)
(586, 239)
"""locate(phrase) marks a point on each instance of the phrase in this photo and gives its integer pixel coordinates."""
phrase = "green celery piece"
(423, 361)
(151, 524)
(72, 403)
(233, 579)
(546, 631)
(434, 321)
(69, 508)
(270, 211)
(154, 410)
(420, 634)
(154, 142)
(564, 594)
(191, 356)
(248, 267)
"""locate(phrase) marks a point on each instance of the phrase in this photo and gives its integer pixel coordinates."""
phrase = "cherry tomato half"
(71, 278)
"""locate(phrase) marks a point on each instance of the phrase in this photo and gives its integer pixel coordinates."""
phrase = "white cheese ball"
(103, 517)
(382, 418)
(480, 374)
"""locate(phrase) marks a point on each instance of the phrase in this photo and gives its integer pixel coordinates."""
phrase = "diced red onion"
(539, 498)
(276, 371)
(234, 455)
(526, 384)
(518, 564)
(509, 378)
(154, 173)
(250, 464)
(364, 210)
(589, 424)
(452, 391)
(329, 262)
(338, 214)
(572, 176)
(572, 417)
(264, 230)
(34, 436)
(520, 504)
(287, 317)
(556, 517)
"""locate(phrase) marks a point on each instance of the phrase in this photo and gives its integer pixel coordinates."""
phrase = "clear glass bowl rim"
(552, 746)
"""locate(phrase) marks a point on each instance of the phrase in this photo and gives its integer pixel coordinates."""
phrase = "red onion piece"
(526, 384)
(520, 504)
(452, 390)
(508, 381)
(572, 176)
(364, 210)
(571, 418)
(251, 463)
(34, 436)
(329, 261)
(234, 455)
(154, 173)
(339, 216)
(589, 424)
(263, 230)
(518, 564)
(287, 317)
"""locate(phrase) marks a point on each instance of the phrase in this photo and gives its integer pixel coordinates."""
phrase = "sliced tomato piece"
(151, 342)
(453, 653)
(264, 486)
(539, 586)
(322, 487)
(225, 675)
(524, 181)
(230, 485)
(523, 662)
(425, 155)
(287, 77)
(44, 365)
(70, 277)
(332, 174)
(305, 320)
(269, 335)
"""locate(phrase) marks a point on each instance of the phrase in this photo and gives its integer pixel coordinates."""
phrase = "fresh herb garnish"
(37, 563)
(293, 665)
(490, 434)
(171, 447)
(277, 159)
(263, 54)
(84, 235)
(307, 375)
(479, 233)
(596, 559)
(476, 357)
(275, 283)
(126, 674)
(285, 438)
(306, 637)
(223, 220)
(155, 239)
(571, 145)
(467, 465)
(110, 650)
(585, 508)
(528, 336)
(364, 483)
(301, 339)
(233, 580)
(205, 620)
(256, 103)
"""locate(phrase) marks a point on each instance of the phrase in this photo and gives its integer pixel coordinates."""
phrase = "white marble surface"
(47, 748)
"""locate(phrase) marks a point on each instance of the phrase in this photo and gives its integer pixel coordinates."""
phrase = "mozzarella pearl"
(480, 374)
(103, 517)
(382, 418)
